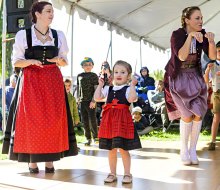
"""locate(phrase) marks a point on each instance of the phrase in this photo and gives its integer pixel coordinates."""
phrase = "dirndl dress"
(117, 129)
(39, 126)
(189, 91)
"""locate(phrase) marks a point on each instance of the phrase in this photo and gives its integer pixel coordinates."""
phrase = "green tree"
(8, 67)
(158, 74)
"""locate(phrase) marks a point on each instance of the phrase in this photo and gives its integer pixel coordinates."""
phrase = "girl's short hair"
(125, 64)
(186, 13)
(37, 7)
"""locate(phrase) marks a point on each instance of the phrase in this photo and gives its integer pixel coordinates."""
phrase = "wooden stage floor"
(156, 166)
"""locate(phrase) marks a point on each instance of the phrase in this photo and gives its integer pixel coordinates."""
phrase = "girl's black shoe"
(34, 170)
(49, 170)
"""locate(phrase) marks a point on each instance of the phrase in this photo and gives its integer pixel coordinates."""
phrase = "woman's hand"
(210, 36)
(210, 65)
(58, 60)
(198, 36)
(34, 62)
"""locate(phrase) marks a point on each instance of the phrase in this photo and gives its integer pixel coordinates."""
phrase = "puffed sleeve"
(177, 41)
(19, 46)
(63, 48)
(105, 91)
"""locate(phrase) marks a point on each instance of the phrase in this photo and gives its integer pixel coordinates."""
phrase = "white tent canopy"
(150, 20)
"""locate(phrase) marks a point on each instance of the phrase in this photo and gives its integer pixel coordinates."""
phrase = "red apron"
(41, 119)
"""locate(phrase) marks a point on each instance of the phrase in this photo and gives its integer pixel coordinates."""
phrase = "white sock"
(196, 128)
(185, 130)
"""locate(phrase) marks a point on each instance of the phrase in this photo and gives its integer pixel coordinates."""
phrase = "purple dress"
(185, 89)
(188, 90)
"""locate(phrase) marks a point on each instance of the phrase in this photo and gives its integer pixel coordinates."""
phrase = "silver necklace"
(43, 36)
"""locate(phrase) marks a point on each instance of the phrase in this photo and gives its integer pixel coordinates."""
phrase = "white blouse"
(106, 88)
(21, 44)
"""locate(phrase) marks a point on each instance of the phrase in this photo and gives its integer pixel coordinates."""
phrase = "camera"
(105, 66)
(105, 78)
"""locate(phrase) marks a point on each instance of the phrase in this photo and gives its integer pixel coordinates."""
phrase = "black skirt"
(119, 142)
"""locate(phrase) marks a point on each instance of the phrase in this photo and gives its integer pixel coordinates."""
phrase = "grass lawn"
(156, 135)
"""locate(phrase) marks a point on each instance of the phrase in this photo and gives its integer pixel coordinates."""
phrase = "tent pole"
(141, 52)
(72, 40)
(111, 47)
(3, 63)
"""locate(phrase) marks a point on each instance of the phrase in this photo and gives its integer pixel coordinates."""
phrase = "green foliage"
(8, 67)
(172, 135)
(158, 75)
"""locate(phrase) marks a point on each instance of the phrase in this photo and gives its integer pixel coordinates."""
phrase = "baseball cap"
(218, 44)
(137, 109)
(87, 59)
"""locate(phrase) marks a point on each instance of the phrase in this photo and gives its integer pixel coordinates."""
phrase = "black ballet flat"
(34, 170)
(49, 170)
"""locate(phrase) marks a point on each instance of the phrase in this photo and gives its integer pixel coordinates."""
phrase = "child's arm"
(207, 71)
(75, 112)
(98, 96)
(132, 96)
(94, 80)
(77, 89)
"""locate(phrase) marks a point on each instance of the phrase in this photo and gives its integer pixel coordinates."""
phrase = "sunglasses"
(86, 65)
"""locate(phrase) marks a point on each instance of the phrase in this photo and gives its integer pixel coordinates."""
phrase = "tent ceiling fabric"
(150, 20)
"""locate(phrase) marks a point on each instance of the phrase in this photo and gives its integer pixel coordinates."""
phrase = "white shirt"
(21, 44)
(215, 78)
(115, 88)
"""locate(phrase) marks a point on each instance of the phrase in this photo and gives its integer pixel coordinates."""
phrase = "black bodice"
(41, 53)
(118, 94)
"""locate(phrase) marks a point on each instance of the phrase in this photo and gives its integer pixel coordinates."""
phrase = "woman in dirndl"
(39, 125)
(185, 89)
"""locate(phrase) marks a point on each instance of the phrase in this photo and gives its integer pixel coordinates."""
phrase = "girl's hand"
(218, 73)
(198, 36)
(210, 36)
(134, 81)
(101, 82)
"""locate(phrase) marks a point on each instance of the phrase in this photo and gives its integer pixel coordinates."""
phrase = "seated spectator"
(145, 83)
(9, 91)
(157, 102)
(140, 121)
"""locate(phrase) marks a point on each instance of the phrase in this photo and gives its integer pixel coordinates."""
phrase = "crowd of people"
(42, 113)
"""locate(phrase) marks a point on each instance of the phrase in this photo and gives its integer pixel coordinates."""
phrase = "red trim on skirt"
(41, 119)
